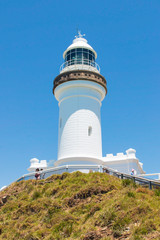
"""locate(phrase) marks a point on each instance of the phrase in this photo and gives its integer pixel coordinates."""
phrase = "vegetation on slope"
(79, 206)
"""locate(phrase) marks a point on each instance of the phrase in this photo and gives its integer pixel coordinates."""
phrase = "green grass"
(79, 206)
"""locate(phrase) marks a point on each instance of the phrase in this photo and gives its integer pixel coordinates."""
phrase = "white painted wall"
(124, 162)
(36, 163)
(79, 109)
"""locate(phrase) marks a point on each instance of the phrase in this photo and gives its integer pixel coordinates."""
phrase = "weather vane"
(79, 35)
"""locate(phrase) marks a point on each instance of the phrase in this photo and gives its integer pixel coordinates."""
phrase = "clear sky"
(33, 37)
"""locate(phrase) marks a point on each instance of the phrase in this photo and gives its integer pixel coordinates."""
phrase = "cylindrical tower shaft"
(79, 119)
(79, 90)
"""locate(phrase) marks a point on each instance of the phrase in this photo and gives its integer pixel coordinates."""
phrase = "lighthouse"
(79, 90)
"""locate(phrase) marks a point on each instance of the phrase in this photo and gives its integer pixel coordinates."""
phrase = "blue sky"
(33, 37)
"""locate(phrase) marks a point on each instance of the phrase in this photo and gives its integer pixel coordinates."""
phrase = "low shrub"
(36, 195)
(106, 217)
(157, 192)
(131, 194)
(126, 182)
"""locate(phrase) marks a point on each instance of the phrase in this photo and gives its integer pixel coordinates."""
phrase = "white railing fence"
(94, 168)
(75, 63)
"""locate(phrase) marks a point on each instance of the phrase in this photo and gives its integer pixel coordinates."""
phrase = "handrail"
(54, 169)
(99, 168)
(150, 175)
(79, 62)
(133, 177)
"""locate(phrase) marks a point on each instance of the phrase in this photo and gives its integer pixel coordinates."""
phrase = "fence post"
(150, 185)
(133, 179)
(121, 176)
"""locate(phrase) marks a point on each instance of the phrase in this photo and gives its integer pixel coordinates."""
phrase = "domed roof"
(79, 42)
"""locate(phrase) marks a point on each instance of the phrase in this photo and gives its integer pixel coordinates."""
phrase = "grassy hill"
(79, 206)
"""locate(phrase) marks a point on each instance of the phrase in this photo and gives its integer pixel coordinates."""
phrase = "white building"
(80, 90)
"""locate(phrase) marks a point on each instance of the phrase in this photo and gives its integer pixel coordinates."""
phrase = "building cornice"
(80, 75)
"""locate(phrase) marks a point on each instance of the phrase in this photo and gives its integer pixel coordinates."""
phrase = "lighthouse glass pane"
(85, 57)
(90, 53)
(68, 57)
(72, 57)
(80, 56)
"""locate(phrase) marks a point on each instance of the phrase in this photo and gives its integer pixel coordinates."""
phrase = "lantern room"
(79, 55)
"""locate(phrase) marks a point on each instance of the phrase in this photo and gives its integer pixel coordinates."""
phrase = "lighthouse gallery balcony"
(80, 58)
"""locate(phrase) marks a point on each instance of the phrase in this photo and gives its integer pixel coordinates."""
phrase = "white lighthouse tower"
(79, 89)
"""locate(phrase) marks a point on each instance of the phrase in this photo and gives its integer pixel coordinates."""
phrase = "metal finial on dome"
(80, 35)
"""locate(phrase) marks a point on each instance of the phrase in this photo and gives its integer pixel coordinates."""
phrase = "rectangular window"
(89, 131)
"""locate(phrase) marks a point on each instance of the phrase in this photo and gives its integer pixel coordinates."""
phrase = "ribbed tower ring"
(80, 75)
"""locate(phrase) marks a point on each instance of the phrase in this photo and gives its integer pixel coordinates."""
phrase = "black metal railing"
(136, 179)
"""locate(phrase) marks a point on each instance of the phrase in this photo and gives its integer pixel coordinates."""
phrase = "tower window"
(89, 131)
